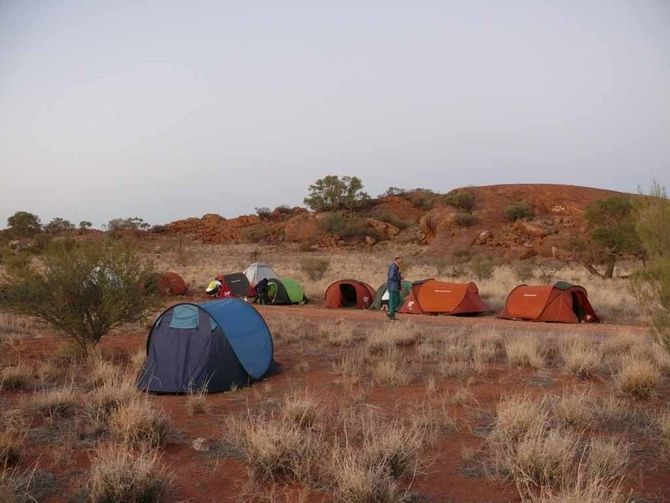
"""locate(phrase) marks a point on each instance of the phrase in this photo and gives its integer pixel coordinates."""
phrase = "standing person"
(393, 282)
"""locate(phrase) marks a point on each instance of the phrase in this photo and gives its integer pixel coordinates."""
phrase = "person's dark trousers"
(394, 301)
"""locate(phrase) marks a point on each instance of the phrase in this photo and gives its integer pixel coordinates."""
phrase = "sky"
(170, 109)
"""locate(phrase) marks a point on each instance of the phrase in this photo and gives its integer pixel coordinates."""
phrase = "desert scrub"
(302, 410)
(16, 377)
(117, 389)
(637, 377)
(523, 351)
(315, 268)
(139, 424)
(56, 402)
(391, 369)
(120, 473)
(273, 448)
(13, 430)
(582, 358)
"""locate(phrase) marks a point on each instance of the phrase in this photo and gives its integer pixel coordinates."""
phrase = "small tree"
(612, 231)
(24, 225)
(652, 284)
(127, 224)
(82, 289)
(59, 225)
(335, 193)
(85, 224)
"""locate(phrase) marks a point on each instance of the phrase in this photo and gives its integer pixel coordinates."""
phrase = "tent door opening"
(348, 293)
(577, 306)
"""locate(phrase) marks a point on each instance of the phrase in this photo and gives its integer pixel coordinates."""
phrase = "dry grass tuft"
(343, 335)
(637, 377)
(118, 389)
(13, 430)
(391, 369)
(607, 458)
(16, 485)
(16, 377)
(139, 424)
(523, 351)
(57, 402)
(120, 473)
(582, 357)
(663, 424)
(136, 361)
(576, 409)
(196, 402)
(515, 416)
(102, 372)
(356, 482)
(396, 335)
(301, 410)
(274, 449)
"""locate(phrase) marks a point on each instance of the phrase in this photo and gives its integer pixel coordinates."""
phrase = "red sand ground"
(204, 477)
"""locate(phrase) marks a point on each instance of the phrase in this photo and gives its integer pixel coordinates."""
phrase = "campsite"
(335, 252)
(429, 391)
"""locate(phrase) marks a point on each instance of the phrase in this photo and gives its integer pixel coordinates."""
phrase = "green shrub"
(284, 209)
(482, 267)
(464, 219)
(348, 227)
(263, 212)
(390, 218)
(335, 193)
(315, 268)
(463, 199)
(423, 198)
(519, 210)
(82, 289)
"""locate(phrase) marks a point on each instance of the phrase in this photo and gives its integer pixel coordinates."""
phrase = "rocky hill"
(553, 215)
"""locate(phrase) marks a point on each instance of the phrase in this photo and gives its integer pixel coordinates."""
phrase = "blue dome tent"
(214, 346)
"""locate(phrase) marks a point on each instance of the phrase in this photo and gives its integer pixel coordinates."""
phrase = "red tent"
(561, 302)
(433, 297)
(349, 293)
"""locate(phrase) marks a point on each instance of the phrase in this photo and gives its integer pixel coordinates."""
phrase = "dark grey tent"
(382, 298)
(236, 285)
(212, 346)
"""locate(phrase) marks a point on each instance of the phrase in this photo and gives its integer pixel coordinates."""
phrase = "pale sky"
(170, 109)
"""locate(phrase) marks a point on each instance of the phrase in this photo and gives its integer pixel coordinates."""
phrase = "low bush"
(519, 210)
(463, 199)
(315, 268)
(464, 219)
(482, 267)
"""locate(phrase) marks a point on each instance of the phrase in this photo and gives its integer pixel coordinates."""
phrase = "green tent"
(285, 291)
(382, 298)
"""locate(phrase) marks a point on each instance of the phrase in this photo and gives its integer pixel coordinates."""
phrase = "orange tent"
(561, 302)
(349, 293)
(433, 297)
